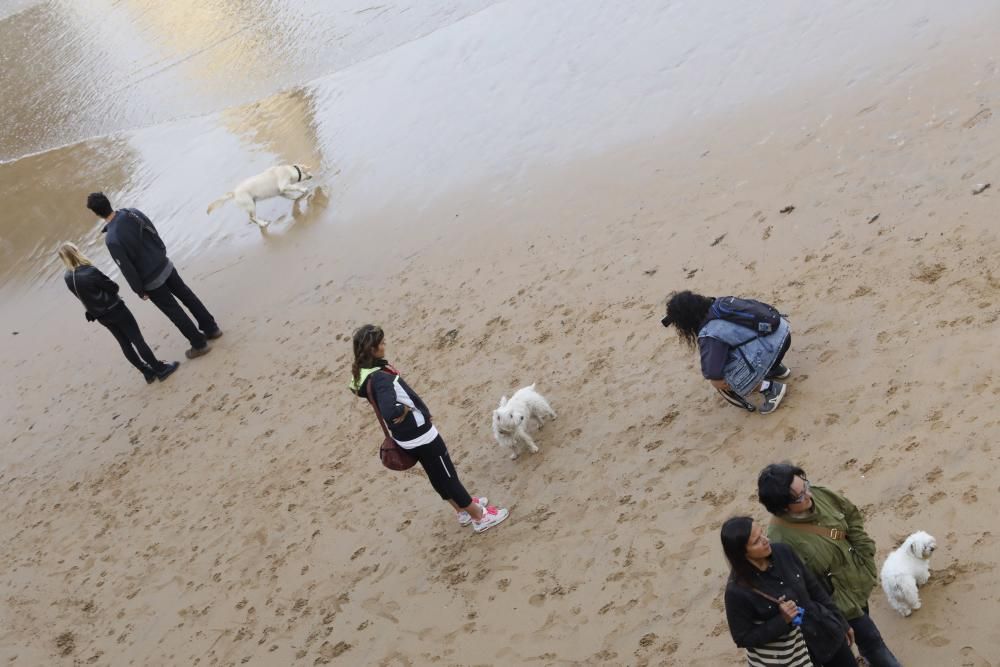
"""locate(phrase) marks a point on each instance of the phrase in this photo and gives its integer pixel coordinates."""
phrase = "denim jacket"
(750, 356)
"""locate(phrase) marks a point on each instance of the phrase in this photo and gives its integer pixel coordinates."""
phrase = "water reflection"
(171, 172)
(79, 69)
(44, 198)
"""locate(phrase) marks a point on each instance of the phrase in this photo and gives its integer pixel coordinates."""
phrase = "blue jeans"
(870, 643)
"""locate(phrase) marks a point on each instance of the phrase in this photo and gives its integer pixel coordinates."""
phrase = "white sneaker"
(464, 518)
(491, 517)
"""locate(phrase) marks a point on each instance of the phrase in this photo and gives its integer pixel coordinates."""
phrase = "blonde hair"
(72, 257)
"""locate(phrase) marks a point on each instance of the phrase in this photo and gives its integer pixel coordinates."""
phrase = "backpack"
(757, 316)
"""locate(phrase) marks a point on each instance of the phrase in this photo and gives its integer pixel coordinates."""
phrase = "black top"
(755, 620)
(98, 293)
(136, 247)
(391, 395)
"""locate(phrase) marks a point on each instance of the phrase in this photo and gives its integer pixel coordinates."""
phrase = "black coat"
(755, 620)
(136, 248)
(96, 291)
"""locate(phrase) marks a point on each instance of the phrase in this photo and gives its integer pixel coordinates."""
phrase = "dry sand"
(238, 513)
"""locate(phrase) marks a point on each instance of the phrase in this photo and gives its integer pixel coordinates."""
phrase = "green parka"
(845, 567)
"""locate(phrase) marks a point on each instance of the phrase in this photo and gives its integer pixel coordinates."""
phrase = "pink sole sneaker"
(491, 517)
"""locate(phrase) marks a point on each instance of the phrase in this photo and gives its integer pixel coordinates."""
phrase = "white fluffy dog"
(284, 181)
(906, 568)
(512, 419)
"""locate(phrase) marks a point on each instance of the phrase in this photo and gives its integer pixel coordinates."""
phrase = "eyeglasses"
(805, 491)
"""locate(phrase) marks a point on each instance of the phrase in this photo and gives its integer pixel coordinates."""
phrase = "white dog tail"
(218, 202)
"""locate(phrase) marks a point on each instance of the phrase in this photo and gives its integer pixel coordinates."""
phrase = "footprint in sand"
(972, 658)
(977, 118)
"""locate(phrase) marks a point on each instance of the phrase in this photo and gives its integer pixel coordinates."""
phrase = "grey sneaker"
(779, 372)
(772, 398)
(197, 352)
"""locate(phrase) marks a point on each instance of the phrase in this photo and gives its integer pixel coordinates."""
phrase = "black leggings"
(781, 355)
(122, 325)
(437, 464)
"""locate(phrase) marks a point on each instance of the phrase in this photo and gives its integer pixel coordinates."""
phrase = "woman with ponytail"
(409, 423)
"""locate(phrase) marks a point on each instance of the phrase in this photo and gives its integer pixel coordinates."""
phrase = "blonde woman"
(99, 295)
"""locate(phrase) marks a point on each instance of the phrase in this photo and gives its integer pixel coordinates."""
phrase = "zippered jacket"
(845, 567)
(136, 247)
(96, 291)
(392, 395)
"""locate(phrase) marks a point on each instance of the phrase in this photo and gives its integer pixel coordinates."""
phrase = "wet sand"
(238, 514)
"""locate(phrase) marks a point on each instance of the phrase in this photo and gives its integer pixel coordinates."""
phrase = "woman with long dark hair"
(775, 608)
(409, 424)
(735, 359)
(99, 296)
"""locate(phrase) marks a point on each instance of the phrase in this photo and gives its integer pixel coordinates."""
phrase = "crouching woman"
(736, 359)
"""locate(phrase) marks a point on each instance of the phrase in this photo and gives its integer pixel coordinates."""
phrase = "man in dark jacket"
(139, 251)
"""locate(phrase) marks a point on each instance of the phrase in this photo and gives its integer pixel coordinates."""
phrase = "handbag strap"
(829, 533)
(378, 414)
(766, 596)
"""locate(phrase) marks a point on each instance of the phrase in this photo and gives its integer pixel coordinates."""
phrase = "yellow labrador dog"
(284, 181)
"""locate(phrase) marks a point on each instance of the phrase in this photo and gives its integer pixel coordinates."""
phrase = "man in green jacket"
(827, 532)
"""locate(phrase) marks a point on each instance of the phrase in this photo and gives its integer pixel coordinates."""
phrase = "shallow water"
(166, 106)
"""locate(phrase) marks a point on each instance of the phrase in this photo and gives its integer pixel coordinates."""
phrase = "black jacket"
(96, 291)
(136, 247)
(391, 395)
(755, 620)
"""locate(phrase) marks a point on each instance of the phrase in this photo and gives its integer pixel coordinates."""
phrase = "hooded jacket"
(97, 292)
(137, 248)
(845, 567)
(393, 396)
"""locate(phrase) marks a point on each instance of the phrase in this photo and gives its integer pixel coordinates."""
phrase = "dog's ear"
(503, 401)
(913, 549)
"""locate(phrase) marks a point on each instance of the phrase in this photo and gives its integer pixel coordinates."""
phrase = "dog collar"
(299, 172)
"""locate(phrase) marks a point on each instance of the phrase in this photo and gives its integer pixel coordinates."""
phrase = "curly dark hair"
(686, 311)
(366, 339)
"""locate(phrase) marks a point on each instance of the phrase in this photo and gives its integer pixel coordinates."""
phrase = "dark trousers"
(870, 643)
(122, 325)
(781, 355)
(163, 297)
(437, 464)
(844, 657)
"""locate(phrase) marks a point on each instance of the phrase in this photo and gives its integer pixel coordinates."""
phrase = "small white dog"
(512, 419)
(284, 181)
(906, 568)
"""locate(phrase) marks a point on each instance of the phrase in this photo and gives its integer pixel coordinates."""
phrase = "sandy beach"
(238, 513)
